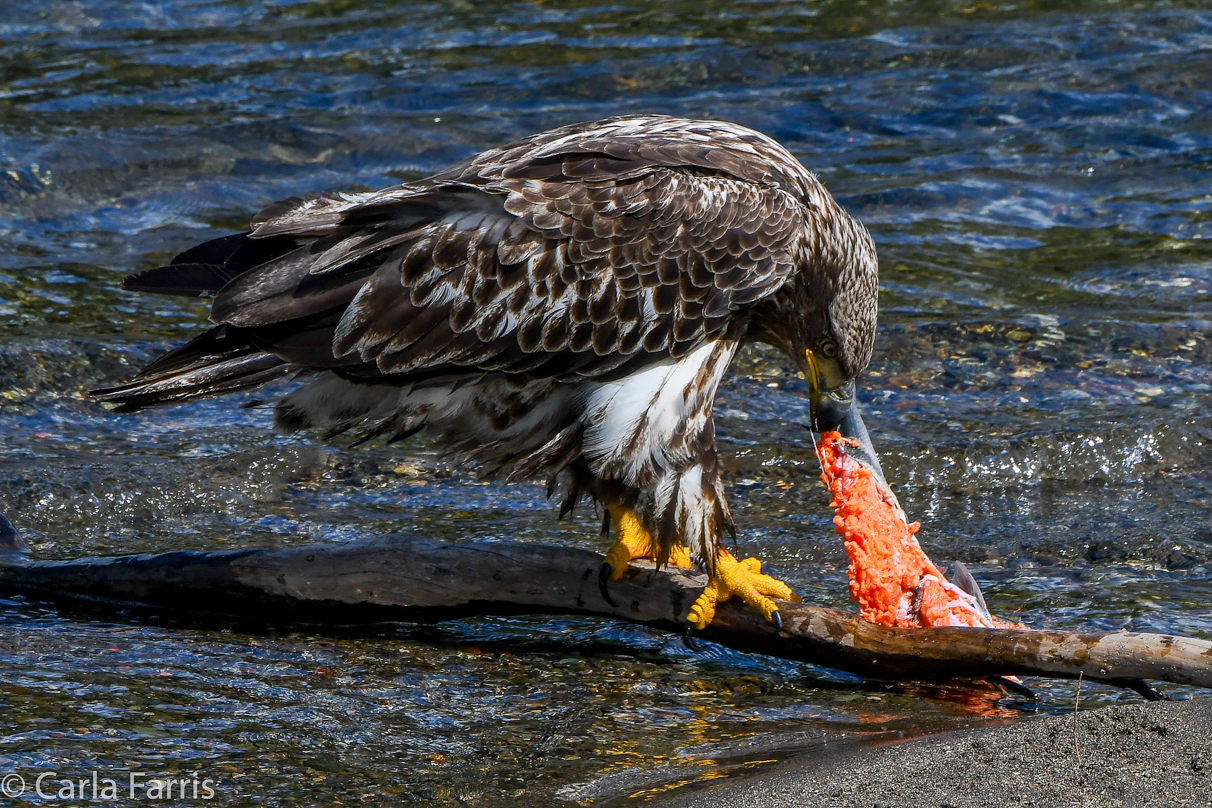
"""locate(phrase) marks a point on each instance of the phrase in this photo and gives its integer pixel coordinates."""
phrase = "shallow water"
(1036, 176)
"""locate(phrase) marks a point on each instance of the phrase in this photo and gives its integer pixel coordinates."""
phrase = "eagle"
(560, 308)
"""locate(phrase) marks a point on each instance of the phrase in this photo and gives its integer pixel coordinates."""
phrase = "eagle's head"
(824, 319)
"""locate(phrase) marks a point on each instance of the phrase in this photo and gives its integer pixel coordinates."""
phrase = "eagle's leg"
(743, 579)
(632, 541)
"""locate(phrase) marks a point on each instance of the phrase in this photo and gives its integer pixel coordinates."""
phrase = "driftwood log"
(412, 579)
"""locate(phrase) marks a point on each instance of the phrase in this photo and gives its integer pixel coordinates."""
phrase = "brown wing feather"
(560, 255)
(586, 251)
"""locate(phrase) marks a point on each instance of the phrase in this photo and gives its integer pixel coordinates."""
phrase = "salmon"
(892, 579)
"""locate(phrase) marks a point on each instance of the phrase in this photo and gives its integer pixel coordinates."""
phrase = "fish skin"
(860, 448)
(961, 577)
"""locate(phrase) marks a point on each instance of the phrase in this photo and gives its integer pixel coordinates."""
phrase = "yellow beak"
(814, 374)
(827, 407)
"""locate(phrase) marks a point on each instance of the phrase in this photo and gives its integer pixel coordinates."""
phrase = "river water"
(1038, 178)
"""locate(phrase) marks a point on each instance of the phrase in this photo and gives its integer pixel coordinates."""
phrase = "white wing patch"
(647, 424)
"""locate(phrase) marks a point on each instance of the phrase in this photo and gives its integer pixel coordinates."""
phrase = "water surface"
(1036, 176)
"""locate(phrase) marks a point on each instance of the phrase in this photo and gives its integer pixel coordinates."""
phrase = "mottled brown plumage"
(562, 307)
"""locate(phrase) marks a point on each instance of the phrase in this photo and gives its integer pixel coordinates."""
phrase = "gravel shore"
(1157, 754)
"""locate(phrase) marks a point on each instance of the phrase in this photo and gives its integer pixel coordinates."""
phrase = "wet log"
(413, 579)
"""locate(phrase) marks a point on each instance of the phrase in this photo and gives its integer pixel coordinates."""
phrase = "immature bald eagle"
(562, 307)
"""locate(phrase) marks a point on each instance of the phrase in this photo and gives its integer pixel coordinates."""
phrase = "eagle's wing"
(627, 251)
(577, 257)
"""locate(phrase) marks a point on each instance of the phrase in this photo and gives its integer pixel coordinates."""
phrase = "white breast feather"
(630, 423)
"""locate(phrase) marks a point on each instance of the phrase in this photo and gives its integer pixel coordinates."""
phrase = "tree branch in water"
(413, 579)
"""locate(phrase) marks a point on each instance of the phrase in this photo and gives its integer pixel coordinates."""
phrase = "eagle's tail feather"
(218, 362)
(203, 270)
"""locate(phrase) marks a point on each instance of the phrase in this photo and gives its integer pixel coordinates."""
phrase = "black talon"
(603, 580)
(688, 639)
(1014, 687)
(777, 619)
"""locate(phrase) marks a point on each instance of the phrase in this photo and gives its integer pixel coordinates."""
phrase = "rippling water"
(1036, 175)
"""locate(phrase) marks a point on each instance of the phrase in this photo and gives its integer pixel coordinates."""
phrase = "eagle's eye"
(829, 349)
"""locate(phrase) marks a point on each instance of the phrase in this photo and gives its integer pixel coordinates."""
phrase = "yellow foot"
(743, 578)
(632, 541)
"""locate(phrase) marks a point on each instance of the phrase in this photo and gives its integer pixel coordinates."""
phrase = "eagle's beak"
(830, 407)
(827, 407)
(836, 409)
